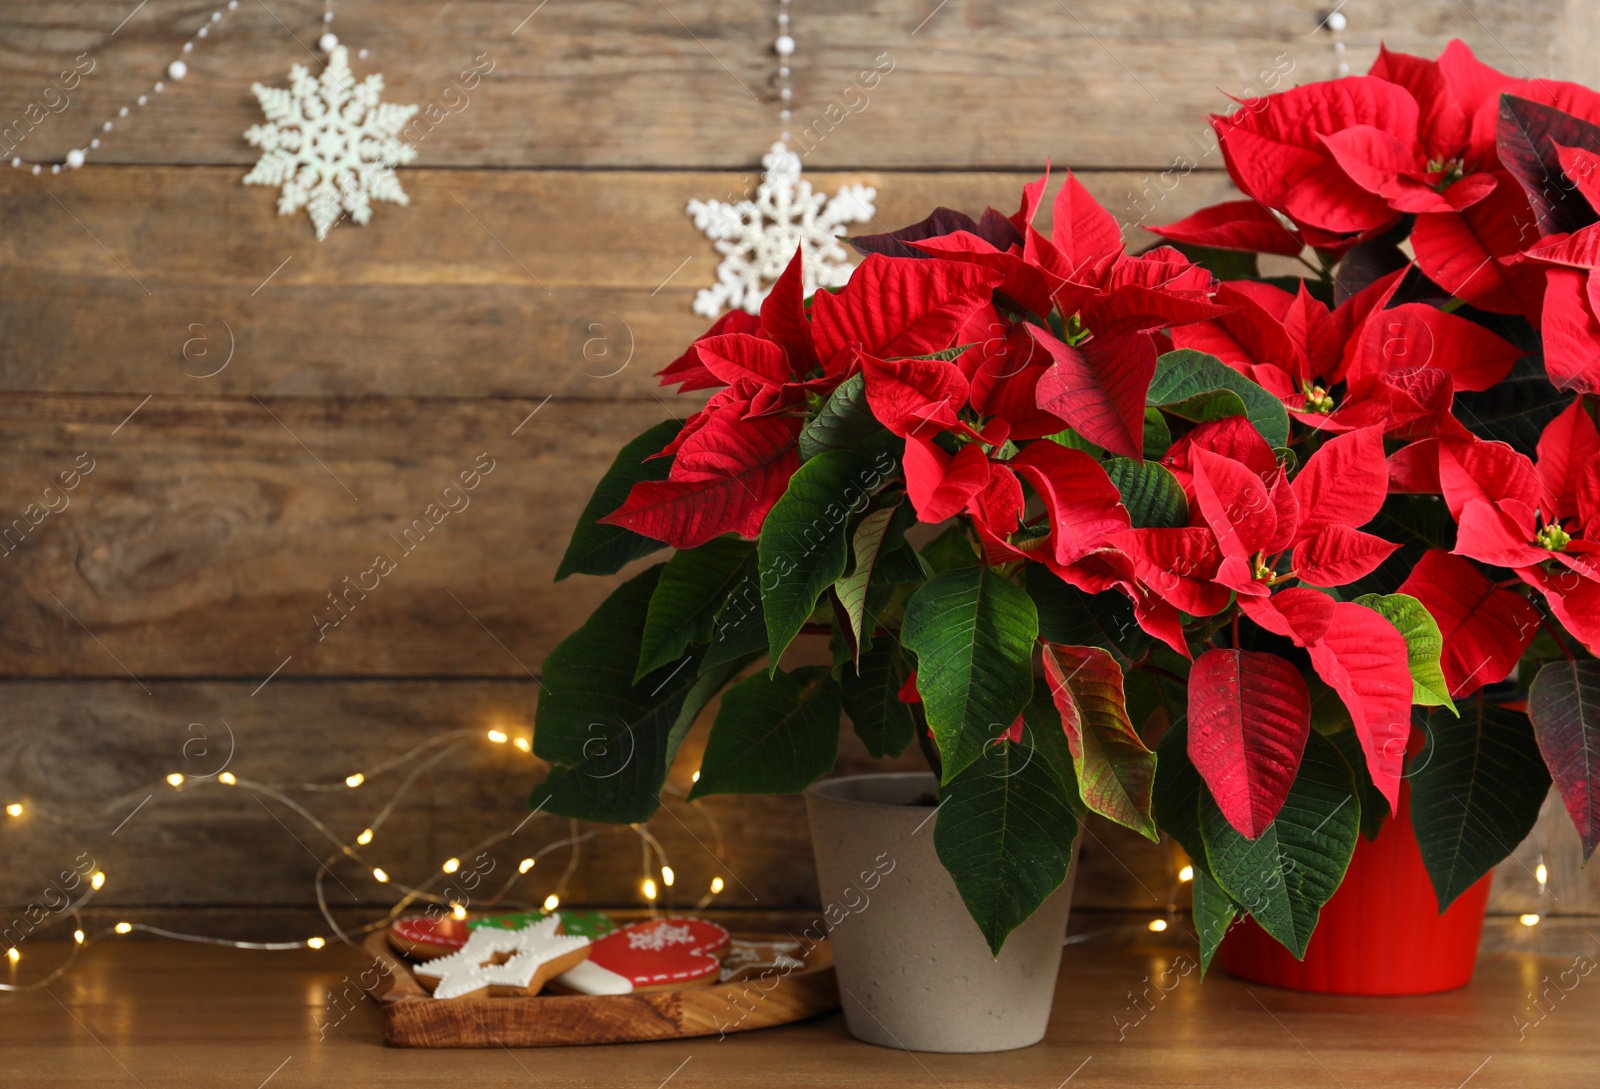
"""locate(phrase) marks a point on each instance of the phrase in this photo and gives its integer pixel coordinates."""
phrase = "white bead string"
(176, 70)
(1336, 23)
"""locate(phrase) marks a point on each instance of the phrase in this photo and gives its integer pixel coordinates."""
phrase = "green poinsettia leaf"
(1153, 496)
(1374, 806)
(866, 543)
(1044, 734)
(1476, 790)
(1214, 915)
(1424, 644)
(1068, 615)
(739, 627)
(973, 634)
(1416, 523)
(694, 585)
(1285, 875)
(804, 545)
(604, 550)
(773, 735)
(949, 550)
(1157, 435)
(713, 677)
(1005, 834)
(843, 421)
(606, 734)
(1177, 793)
(1195, 386)
(885, 725)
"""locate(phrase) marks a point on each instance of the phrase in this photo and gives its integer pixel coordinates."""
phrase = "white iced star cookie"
(504, 961)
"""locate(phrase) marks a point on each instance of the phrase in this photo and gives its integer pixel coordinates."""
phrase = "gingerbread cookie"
(421, 937)
(504, 962)
(587, 924)
(745, 959)
(659, 955)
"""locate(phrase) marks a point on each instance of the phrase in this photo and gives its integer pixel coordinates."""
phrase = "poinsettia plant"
(1048, 500)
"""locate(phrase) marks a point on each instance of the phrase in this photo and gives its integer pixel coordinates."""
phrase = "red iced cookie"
(423, 938)
(660, 955)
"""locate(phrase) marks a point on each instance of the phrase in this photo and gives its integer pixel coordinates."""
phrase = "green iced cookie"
(588, 924)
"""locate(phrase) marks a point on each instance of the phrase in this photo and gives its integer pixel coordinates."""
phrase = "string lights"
(424, 757)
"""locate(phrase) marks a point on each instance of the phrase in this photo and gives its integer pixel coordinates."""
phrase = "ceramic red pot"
(1380, 934)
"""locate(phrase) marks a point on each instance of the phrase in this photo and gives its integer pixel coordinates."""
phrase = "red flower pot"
(1380, 934)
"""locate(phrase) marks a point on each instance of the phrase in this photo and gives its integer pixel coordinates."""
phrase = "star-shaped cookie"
(504, 962)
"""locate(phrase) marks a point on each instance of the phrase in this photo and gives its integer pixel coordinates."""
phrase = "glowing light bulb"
(716, 884)
(551, 902)
(227, 779)
(667, 876)
(525, 865)
(497, 736)
(123, 928)
(13, 954)
(365, 837)
(1158, 925)
(1186, 874)
(315, 943)
(695, 778)
(353, 781)
(97, 880)
(451, 865)
(175, 779)
(77, 936)
(379, 876)
(457, 911)
(649, 888)
(14, 809)
(1541, 874)
(523, 743)
(1530, 919)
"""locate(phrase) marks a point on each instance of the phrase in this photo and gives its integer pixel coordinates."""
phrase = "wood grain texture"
(688, 83)
(180, 1017)
(489, 284)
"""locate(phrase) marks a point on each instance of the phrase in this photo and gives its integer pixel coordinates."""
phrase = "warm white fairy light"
(716, 885)
(97, 880)
(1186, 874)
(458, 911)
(648, 887)
(123, 928)
(451, 865)
(525, 865)
(315, 943)
(77, 936)
(1541, 874)
(175, 779)
(1530, 919)
(353, 781)
(497, 736)
(227, 779)
(365, 837)
(523, 743)
(667, 876)
(379, 876)
(14, 809)
(695, 778)
(552, 902)
(1158, 925)
(13, 954)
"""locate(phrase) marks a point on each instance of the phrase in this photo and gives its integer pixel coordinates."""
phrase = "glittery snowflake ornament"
(330, 143)
(757, 238)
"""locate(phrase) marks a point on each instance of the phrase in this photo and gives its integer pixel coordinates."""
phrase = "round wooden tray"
(412, 1017)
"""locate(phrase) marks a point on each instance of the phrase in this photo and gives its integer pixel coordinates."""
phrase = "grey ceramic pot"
(914, 970)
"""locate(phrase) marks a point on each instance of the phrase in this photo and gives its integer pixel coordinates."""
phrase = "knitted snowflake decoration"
(757, 238)
(330, 143)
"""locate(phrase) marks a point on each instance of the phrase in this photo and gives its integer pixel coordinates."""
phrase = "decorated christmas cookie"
(660, 955)
(746, 960)
(504, 962)
(587, 924)
(420, 937)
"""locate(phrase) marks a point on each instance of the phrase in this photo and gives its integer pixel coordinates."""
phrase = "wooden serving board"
(413, 1018)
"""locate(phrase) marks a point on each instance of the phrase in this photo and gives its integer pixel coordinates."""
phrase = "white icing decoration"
(330, 143)
(757, 238)
(659, 937)
(590, 978)
(472, 968)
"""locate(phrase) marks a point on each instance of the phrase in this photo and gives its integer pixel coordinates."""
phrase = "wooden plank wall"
(216, 510)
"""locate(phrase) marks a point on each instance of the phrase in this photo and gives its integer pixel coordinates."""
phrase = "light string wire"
(427, 755)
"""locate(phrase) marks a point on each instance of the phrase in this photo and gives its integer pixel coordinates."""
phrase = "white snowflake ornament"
(330, 143)
(757, 238)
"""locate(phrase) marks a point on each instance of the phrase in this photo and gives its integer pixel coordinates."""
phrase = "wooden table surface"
(163, 1015)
